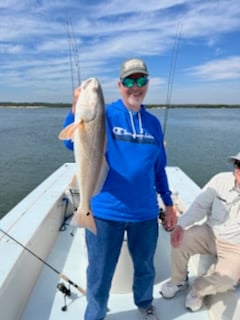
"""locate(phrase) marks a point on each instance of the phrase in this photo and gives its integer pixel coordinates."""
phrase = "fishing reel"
(162, 216)
(67, 293)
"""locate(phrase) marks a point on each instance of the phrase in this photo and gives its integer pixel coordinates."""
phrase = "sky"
(191, 48)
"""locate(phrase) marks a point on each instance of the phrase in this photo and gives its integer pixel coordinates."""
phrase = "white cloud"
(222, 69)
(34, 43)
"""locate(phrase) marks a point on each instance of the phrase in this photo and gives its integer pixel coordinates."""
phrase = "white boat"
(37, 256)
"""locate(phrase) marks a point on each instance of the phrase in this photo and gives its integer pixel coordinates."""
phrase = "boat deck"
(70, 249)
(121, 306)
(28, 287)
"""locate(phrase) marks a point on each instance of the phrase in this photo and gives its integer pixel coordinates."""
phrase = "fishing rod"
(60, 286)
(72, 49)
(73, 52)
(70, 58)
(171, 75)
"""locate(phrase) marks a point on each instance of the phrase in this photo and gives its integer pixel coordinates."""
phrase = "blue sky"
(35, 37)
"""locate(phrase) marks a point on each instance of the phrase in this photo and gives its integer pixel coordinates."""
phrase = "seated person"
(219, 235)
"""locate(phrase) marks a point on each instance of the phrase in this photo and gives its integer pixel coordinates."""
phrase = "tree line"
(68, 105)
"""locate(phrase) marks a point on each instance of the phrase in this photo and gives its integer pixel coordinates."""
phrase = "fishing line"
(63, 276)
(73, 52)
(70, 59)
(171, 75)
(72, 49)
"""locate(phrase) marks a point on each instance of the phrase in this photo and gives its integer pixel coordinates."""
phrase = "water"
(198, 141)
(30, 150)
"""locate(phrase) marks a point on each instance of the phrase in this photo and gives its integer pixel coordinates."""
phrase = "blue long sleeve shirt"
(136, 157)
(68, 120)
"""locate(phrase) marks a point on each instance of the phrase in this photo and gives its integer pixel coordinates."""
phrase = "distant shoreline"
(68, 105)
(34, 105)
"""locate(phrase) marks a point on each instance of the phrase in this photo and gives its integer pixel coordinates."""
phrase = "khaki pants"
(222, 276)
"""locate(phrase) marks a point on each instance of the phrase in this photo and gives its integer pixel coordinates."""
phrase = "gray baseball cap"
(132, 66)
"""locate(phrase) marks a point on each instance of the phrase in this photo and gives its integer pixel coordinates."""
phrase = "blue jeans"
(103, 253)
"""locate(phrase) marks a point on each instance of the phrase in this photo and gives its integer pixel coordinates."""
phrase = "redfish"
(89, 137)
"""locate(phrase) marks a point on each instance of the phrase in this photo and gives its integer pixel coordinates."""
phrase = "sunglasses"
(129, 82)
(237, 164)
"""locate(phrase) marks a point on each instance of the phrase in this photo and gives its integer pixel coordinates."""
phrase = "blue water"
(198, 141)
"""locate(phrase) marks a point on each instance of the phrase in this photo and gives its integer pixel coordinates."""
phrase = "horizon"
(13, 104)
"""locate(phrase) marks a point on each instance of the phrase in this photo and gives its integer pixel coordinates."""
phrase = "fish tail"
(84, 220)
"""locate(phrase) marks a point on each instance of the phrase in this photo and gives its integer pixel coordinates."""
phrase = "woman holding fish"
(127, 198)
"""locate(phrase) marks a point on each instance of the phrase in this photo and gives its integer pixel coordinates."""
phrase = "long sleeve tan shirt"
(219, 203)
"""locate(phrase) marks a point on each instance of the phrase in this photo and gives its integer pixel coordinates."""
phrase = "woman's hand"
(170, 218)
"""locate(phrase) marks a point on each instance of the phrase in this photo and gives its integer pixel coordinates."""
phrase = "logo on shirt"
(124, 135)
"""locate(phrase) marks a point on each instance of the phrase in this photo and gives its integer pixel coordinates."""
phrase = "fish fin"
(68, 132)
(84, 220)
